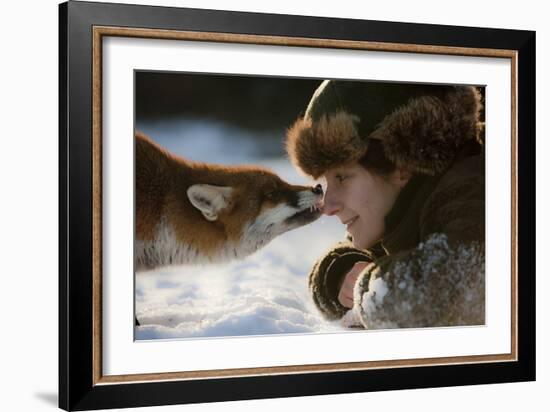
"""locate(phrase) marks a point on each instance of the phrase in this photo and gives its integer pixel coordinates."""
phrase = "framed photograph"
(257, 206)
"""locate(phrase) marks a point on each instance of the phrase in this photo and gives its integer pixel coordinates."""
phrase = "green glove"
(327, 276)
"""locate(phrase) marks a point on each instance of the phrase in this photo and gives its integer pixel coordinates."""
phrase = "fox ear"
(209, 199)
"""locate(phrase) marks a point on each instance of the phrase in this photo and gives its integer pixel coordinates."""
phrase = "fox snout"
(318, 190)
(308, 208)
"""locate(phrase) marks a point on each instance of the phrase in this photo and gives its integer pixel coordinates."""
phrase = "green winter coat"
(429, 268)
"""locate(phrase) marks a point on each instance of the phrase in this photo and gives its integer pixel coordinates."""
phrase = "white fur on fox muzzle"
(283, 217)
(309, 205)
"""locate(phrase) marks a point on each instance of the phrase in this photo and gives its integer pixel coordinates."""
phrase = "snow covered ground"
(265, 293)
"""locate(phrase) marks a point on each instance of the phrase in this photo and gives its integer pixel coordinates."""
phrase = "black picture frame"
(78, 386)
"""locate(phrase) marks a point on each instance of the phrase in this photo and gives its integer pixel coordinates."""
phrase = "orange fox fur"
(191, 212)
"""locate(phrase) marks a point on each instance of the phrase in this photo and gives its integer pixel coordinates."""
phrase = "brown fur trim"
(424, 135)
(332, 141)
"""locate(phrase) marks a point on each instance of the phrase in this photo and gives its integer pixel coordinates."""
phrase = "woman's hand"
(345, 296)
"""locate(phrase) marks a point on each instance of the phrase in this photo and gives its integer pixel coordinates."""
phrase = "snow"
(351, 318)
(266, 293)
(372, 300)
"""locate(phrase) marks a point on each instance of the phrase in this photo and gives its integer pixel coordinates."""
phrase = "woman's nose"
(330, 205)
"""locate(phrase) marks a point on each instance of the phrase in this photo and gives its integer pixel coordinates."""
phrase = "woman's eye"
(341, 178)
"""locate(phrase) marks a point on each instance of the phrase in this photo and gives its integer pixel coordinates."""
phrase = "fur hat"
(421, 126)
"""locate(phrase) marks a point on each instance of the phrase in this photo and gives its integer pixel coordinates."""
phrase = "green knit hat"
(421, 126)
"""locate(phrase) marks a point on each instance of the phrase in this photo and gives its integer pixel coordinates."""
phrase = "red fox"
(191, 212)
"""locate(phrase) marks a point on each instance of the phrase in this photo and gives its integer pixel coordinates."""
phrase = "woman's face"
(361, 200)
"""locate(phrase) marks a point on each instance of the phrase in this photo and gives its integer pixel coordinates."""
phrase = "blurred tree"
(256, 103)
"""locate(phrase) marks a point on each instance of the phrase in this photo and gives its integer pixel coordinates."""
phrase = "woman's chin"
(360, 242)
(357, 244)
(358, 238)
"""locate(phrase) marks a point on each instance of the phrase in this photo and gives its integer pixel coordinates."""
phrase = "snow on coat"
(436, 284)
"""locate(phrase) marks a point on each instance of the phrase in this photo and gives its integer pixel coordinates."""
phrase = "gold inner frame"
(100, 31)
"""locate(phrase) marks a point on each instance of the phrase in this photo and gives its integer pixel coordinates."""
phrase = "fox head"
(255, 206)
(190, 212)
